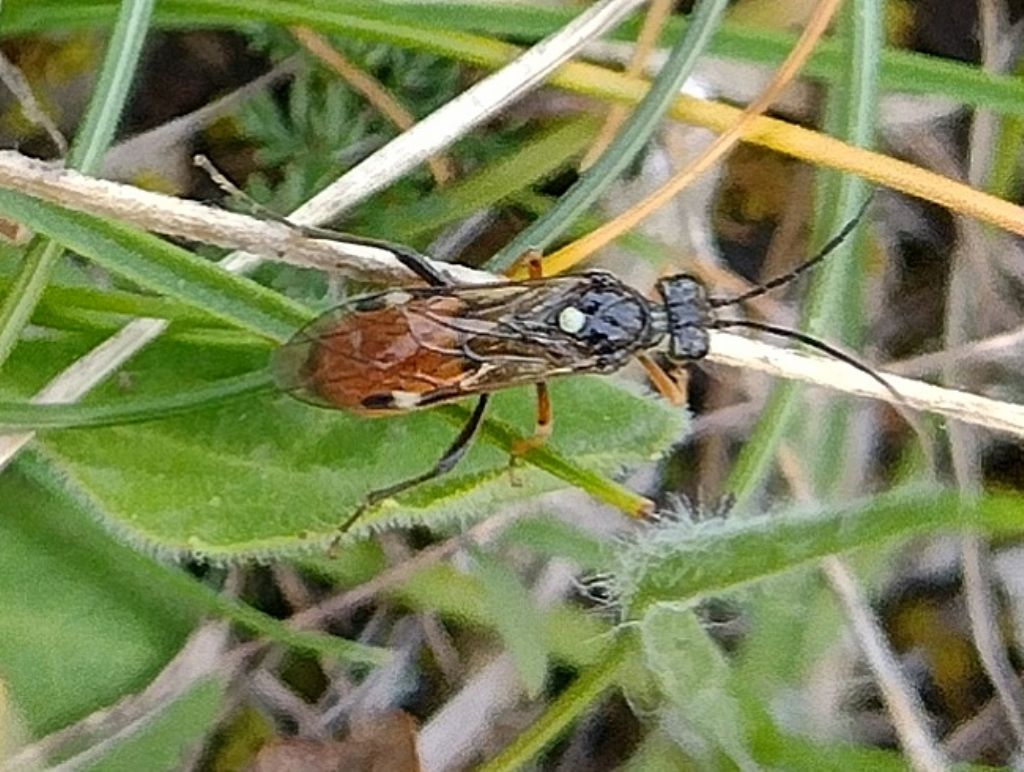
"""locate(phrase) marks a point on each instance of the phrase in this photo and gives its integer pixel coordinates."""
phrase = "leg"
(544, 421)
(668, 388)
(531, 259)
(534, 265)
(410, 258)
(447, 462)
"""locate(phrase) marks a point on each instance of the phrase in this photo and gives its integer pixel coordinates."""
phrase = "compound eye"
(571, 320)
(689, 343)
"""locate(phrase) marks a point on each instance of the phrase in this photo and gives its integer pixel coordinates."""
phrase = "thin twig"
(907, 714)
(965, 318)
(737, 351)
(19, 86)
(189, 219)
(576, 251)
(1001, 346)
(194, 221)
(323, 612)
(464, 113)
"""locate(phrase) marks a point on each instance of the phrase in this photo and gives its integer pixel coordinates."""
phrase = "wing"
(412, 348)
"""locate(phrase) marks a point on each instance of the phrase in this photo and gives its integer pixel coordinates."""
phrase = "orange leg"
(531, 259)
(543, 429)
(668, 388)
(535, 266)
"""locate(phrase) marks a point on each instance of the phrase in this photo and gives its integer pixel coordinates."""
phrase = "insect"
(412, 348)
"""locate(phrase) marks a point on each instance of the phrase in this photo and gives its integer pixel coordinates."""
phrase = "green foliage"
(518, 622)
(166, 738)
(157, 265)
(442, 28)
(88, 620)
(696, 681)
(267, 476)
(77, 630)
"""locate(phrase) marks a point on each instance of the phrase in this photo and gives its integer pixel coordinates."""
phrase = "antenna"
(820, 345)
(805, 266)
(900, 405)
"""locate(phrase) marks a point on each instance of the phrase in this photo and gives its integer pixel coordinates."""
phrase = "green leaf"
(268, 475)
(681, 561)
(694, 679)
(21, 416)
(793, 619)
(657, 753)
(185, 590)
(576, 636)
(161, 267)
(76, 632)
(516, 619)
(563, 711)
(93, 137)
(165, 739)
(569, 634)
(556, 538)
(445, 590)
(59, 298)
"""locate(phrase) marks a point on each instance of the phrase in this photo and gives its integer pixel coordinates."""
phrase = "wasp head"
(687, 317)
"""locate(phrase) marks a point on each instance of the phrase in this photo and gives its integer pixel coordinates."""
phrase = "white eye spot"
(571, 320)
(405, 400)
(397, 298)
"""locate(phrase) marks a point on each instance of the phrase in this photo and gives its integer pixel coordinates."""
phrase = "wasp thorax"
(607, 320)
(571, 320)
(688, 316)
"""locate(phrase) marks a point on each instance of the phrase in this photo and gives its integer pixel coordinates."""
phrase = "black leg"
(410, 258)
(445, 464)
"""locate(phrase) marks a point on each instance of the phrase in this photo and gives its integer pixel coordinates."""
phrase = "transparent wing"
(405, 349)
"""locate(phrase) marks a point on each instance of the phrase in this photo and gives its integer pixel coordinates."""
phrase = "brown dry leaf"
(384, 744)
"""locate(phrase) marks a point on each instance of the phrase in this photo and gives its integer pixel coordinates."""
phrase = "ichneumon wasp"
(411, 348)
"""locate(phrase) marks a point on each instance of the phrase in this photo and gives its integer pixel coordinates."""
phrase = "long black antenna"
(778, 281)
(820, 345)
(900, 405)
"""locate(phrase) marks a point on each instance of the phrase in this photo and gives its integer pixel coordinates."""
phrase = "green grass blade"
(113, 86)
(86, 153)
(630, 140)
(24, 416)
(161, 267)
(529, 163)
(565, 709)
(682, 561)
(832, 306)
(450, 24)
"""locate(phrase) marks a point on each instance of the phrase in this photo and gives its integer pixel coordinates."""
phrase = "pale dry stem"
(189, 219)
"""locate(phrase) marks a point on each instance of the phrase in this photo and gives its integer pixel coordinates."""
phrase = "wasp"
(413, 348)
